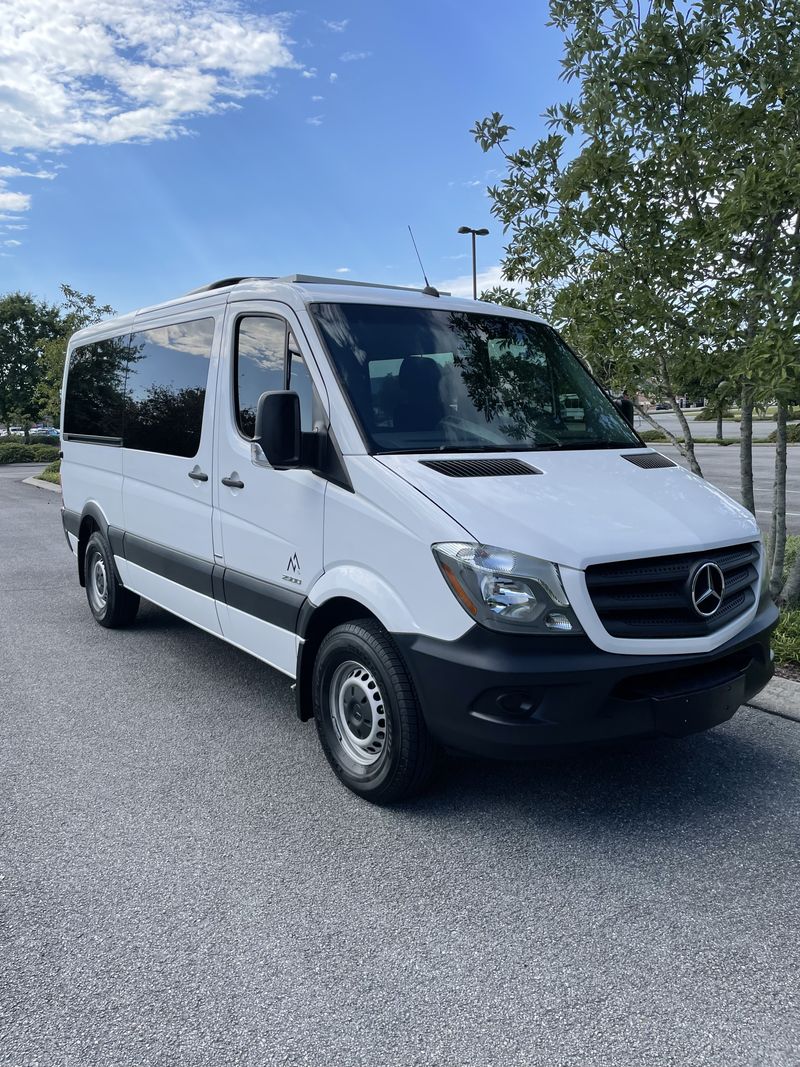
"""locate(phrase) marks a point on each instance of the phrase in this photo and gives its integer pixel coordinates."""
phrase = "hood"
(585, 507)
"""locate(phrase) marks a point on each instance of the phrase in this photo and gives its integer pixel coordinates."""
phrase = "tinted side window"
(93, 401)
(166, 387)
(259, 366)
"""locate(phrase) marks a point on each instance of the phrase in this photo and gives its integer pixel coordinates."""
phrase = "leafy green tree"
(657, 221)
(76, 311)
(24, 324)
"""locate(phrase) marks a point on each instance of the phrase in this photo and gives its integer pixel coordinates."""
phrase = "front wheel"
(368, 718)
(110, 602)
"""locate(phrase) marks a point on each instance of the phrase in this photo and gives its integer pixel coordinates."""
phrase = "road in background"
(762, 428)
(185, 882)
(720, 466)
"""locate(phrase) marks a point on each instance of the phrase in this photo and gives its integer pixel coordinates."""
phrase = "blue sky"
(152, 145)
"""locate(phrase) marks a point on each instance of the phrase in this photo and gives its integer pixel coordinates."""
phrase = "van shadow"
(711, 782)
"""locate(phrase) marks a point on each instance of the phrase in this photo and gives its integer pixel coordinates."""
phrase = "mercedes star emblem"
(708, 587)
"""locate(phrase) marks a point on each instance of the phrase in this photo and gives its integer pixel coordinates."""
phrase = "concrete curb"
(41, 484)
(781, 697)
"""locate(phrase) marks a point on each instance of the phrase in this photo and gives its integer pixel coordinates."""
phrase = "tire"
(368, 717)
(110, 602)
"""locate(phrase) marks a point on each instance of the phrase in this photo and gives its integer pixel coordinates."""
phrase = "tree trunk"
(687, 448)
(777, 545)
(657, 426)
(790, 594)
(719, 425)
(746, 449)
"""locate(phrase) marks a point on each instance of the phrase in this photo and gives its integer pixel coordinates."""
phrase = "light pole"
(475, 233)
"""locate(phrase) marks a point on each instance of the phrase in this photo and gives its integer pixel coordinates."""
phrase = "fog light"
(556, 621)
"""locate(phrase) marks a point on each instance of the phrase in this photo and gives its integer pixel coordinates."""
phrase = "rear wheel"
(109, 601)
(368, 718)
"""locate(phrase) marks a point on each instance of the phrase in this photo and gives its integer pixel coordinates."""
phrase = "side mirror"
(626, 410)
(278, 428)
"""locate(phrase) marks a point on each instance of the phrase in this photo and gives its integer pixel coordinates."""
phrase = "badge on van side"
(293, 570)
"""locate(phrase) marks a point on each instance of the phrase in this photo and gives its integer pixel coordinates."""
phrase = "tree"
(24, 325)
(76, 311)
(657, 220)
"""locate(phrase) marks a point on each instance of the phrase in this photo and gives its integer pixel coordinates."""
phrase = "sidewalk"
(781, 697)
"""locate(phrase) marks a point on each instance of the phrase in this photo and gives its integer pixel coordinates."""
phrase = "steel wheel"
(97, 582)
(358, 713)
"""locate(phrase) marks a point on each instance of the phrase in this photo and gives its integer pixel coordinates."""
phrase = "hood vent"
(479, 468)
(649, 460)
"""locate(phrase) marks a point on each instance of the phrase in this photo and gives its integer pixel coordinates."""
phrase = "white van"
(377, 491)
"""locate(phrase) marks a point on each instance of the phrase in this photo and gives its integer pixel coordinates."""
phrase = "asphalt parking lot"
(184, 882)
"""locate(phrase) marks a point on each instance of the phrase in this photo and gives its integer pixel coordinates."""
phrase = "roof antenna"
(428, 290)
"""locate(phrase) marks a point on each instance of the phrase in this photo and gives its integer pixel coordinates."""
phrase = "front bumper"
(507, 696)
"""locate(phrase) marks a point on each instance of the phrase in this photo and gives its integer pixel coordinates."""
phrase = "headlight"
(506, 590)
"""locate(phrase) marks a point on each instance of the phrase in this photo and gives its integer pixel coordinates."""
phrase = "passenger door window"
(166, 387)
(259, 365)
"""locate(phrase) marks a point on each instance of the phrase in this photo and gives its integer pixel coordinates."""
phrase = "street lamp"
(475, 233)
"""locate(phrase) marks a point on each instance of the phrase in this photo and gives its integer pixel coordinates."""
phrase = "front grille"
(652, 597)
(479, 468)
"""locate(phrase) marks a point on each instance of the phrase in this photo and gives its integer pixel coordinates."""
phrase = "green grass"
(786, 639)
(52, 473)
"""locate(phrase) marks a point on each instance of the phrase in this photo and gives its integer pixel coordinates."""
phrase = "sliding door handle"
(233, 481)
(198, 475)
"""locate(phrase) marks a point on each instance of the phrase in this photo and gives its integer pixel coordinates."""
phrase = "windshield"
(423, 380)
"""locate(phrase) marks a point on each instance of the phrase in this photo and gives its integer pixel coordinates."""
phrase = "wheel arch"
(92, 518)
(314, 623)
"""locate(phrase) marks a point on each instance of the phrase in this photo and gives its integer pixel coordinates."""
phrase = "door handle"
(198, 475)
(233, 482)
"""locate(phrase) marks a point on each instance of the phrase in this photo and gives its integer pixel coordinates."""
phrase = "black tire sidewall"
(97, 544)
(340, 645)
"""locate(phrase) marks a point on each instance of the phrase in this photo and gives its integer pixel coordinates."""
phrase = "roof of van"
(297, 290)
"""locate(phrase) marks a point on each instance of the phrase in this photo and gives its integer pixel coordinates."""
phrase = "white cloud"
(124, 70)
(342, 270)
(17, 172)
(12, 244)
(335, 27)
(315, 120)
(316, 99)
(353, 57)
(332, 78)
(13, 201)
(310, 73)
(462, 285)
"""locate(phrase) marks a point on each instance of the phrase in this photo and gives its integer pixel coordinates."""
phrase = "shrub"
(52, 473)
(792, 434)
(710, 415)
(28, 453)
(653, 435)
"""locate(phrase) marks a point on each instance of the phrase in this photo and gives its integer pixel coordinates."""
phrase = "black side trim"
(217, 583)
(116, 538)
(304, 618)
(178, 567)
(264, 600)
(89, 439)
(71, 521)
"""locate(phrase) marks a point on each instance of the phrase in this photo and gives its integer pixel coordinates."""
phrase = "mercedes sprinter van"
(423, 510)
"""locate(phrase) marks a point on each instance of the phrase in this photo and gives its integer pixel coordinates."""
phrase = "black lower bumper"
(508, 696)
